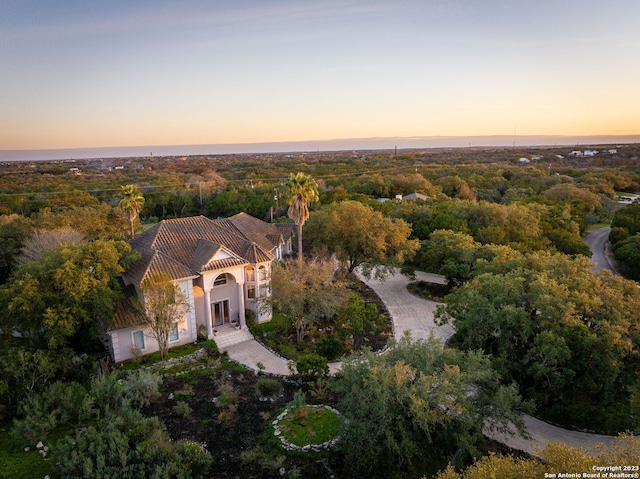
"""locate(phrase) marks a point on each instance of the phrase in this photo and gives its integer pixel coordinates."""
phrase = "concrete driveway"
(409, 312)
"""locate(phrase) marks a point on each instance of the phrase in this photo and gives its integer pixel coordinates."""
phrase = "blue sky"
(95, 73)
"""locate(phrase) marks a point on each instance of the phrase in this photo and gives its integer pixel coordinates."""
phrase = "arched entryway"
(224, 300)
(224, 303)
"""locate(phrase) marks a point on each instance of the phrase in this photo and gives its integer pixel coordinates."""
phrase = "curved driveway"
(414, 314)
(597, 242)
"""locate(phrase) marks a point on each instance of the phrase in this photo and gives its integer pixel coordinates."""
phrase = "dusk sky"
(85, 73)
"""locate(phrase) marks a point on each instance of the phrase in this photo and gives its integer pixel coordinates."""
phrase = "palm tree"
(300, 191)
(132, 202)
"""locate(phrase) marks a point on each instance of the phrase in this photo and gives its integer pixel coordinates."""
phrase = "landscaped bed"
(308, 428)
(221, 408)
(324, 338)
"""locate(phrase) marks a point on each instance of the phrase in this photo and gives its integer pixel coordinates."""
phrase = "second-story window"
(251, 273)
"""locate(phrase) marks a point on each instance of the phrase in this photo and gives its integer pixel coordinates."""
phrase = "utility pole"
(276, 198)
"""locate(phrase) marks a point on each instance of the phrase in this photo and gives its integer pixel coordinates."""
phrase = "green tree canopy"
(162, 307)
(306, 292)
(359, 235)
(67, 296)
(567, 335)
(418, 402)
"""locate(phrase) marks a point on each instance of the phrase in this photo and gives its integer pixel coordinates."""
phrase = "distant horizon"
(311, 146)
(269, 76)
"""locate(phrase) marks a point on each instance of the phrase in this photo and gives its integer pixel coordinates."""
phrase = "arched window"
(262, 273)
(251, 273)
(220, 280)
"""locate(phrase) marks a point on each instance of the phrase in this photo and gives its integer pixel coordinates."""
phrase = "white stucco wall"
(122, 339)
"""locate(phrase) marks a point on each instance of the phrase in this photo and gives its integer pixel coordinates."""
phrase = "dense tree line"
(568, 336)
(625, 240)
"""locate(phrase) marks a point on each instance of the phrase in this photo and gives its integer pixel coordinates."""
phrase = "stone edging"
(309, 447)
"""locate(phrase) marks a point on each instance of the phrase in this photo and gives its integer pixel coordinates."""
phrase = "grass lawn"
(597, 226)
(153, 358)
(310, 425)
(15, 463)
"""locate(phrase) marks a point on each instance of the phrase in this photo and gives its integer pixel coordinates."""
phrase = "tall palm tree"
(300, 191)
(132, 202)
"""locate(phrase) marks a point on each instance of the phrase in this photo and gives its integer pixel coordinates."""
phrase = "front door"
(220, 312)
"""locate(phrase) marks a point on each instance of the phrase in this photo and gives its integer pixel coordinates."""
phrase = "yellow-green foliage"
(556, 458)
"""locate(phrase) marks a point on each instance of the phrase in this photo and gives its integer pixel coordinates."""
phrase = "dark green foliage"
(59, 404)
(114, 440)
(268, 387)
(567, 335)
(359, 320)
(254, 201)
(24, 372)
(330, 348)
(14, 229)
(250, 316)
(166, 205)
(70, 404)
(618, 234)
(629, 218)
(415, 403)
(211, 348)
(311, 367)
(131, 449)
(67, 297)
(627, 254)
(625, 238)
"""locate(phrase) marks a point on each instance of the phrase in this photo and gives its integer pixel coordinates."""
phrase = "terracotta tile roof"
(267, 235)
(223, 263)
(126, 314)
(155, 262)
(255, 254)
(288, 230)
(205, 250)
(184, 247)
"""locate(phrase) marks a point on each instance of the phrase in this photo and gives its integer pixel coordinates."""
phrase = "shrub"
(134, 448)
(194, 458)
(618, 234)
(202, 332)
(288, 351)
(106, 391)
(267, 387)
(228, 394)
(59, 404)
(330, 348)
(211, 348)
(182, 408)
(140, 387)
(297, 405)
(299, 400)
(250, 316)
(312, 366)
(227, 402)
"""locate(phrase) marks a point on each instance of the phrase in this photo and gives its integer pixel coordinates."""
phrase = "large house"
(222, 267)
